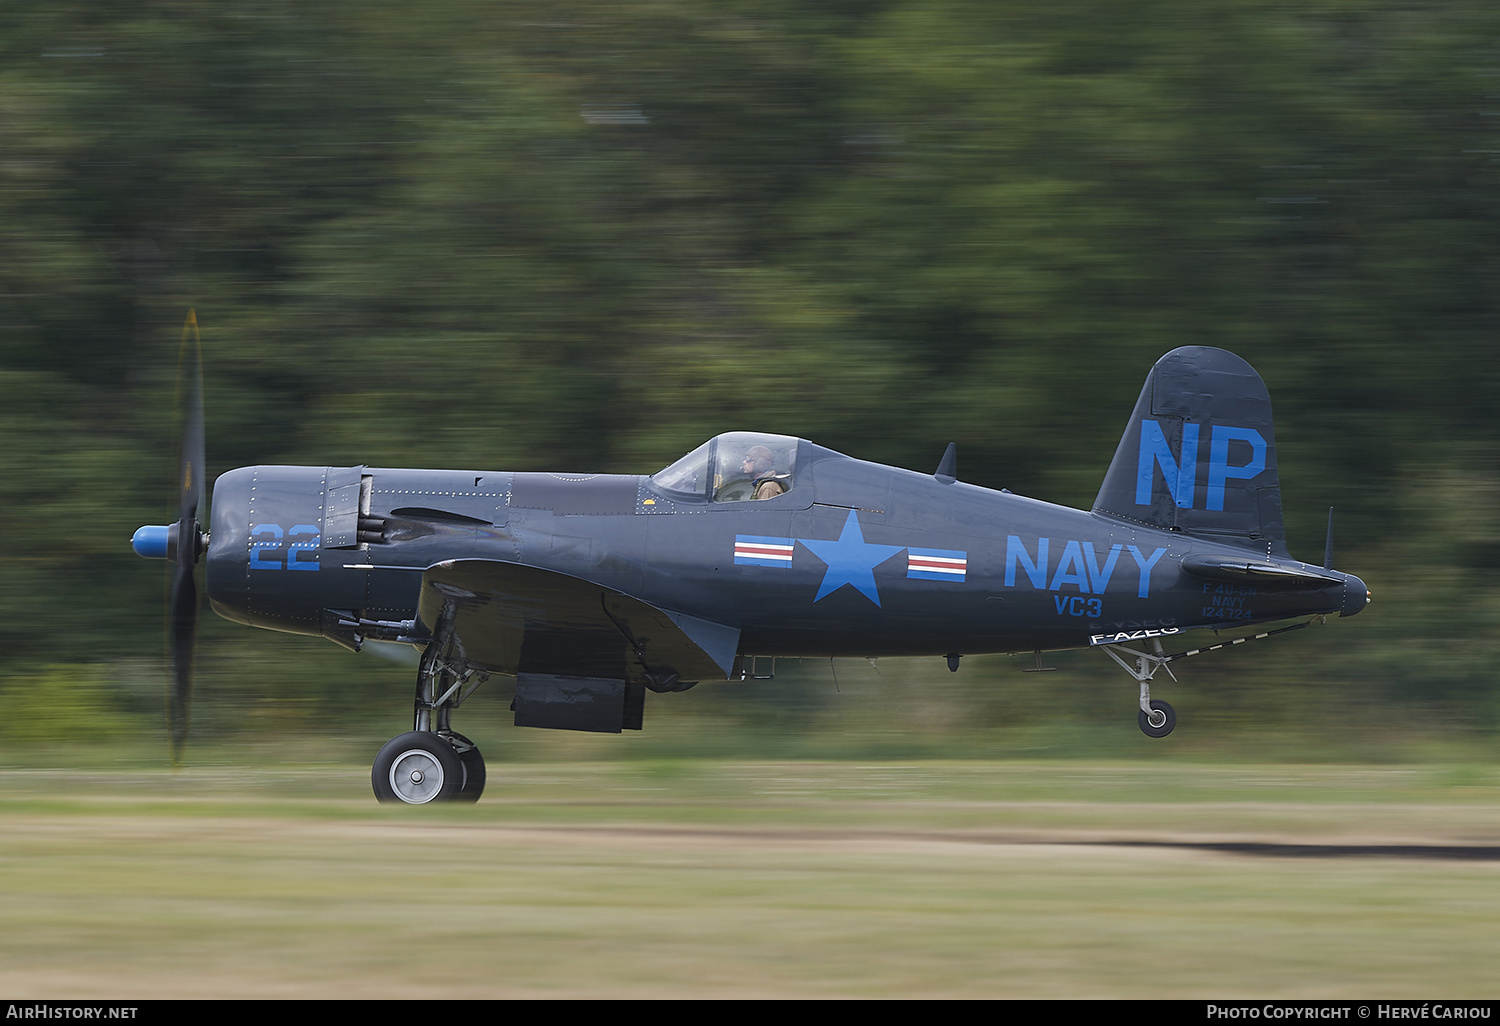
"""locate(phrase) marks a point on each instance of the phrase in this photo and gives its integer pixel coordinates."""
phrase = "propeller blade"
(190, 470)
(184, 631)
(184, 607)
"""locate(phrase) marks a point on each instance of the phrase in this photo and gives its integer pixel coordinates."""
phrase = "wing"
(513, 618)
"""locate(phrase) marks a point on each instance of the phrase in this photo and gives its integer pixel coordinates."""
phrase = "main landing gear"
(432, 762)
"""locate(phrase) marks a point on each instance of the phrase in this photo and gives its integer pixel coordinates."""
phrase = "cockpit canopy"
(733, 467)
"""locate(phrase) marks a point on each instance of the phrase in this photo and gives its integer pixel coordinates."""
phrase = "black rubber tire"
(1165, 728)
(473, 785)
(417, 768)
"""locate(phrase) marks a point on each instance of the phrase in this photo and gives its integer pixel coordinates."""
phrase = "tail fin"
(1199, 455)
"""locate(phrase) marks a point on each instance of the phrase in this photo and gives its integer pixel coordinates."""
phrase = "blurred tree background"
(585, 235)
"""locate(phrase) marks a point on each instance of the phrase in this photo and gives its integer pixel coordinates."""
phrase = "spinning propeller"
(183, 543)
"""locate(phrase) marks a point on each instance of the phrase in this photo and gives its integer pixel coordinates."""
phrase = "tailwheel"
(416, 768)
(1159, 721)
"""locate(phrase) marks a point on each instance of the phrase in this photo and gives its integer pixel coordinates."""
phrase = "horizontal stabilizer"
(1229, 568)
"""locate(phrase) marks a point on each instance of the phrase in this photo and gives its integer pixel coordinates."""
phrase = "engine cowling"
(283, 550)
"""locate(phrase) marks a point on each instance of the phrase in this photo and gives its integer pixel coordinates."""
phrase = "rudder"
(1199, 453)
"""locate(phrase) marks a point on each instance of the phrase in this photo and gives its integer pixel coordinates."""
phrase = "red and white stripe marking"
(763, 550)
(937, 564)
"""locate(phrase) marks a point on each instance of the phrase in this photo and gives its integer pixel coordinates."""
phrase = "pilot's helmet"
(760, 459)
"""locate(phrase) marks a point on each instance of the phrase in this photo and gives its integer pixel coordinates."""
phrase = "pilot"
(760, 467)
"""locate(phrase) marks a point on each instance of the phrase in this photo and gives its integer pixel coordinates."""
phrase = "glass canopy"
(733, 467)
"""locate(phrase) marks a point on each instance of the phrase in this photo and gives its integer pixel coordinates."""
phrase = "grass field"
(703, 878)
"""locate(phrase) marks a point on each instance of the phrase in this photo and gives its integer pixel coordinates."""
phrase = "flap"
(513, 618)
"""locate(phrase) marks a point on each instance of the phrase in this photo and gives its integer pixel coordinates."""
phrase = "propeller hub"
(157, 542)
(154, 542)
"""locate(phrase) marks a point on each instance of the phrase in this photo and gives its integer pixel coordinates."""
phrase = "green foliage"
(63, 705)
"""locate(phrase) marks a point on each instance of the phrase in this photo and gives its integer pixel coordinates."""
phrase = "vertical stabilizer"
(1199, 454)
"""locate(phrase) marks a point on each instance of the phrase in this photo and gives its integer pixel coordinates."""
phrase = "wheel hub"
(416, 777)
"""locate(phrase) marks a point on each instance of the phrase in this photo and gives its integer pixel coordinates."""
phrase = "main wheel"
(1161, 721)
(416, 768)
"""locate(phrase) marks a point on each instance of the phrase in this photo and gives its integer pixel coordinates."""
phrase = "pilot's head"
(759, 461)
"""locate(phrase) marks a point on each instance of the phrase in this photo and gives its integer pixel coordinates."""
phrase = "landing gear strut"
(432, 762)
(1156, 717)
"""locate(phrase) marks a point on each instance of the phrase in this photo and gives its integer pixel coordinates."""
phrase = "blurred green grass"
(728, 878)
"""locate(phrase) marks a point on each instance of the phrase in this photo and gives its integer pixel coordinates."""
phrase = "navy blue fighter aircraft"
(591, 589)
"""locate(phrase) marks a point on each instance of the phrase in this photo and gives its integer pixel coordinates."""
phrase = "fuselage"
(854, 559)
